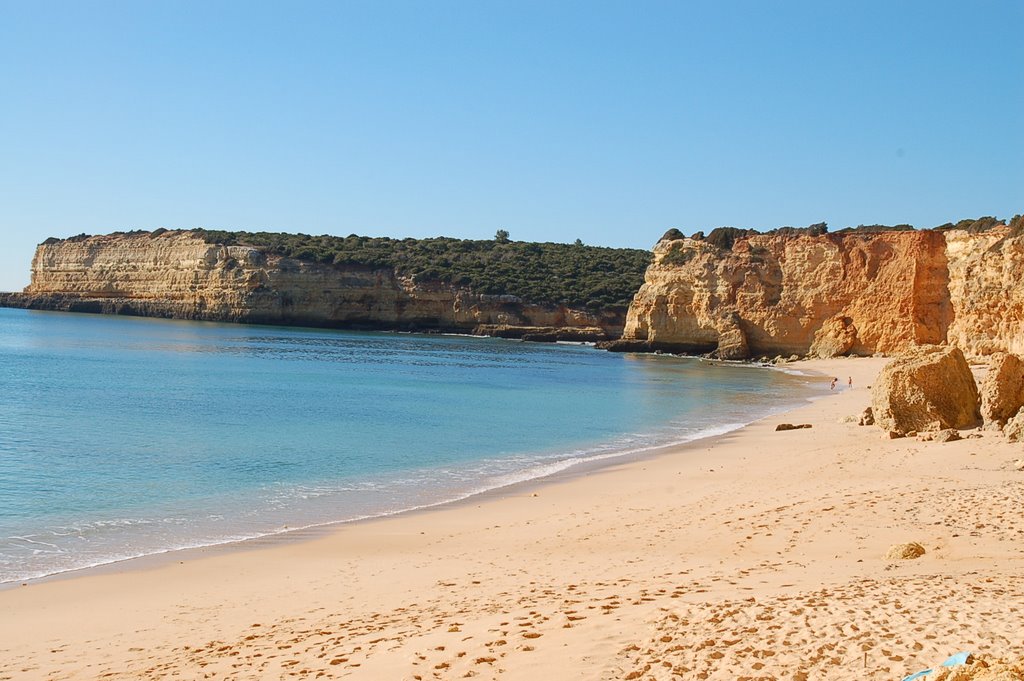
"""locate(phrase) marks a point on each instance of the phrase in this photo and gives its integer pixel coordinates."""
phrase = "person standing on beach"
(849, 381)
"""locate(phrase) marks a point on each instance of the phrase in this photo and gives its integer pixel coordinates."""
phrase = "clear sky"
(608, 122)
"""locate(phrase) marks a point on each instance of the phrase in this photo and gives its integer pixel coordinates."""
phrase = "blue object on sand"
(956, 660)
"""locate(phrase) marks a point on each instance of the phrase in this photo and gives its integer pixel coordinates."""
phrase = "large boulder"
(835, 337)
(929, 388)
(1014, 429)
(1002, 391)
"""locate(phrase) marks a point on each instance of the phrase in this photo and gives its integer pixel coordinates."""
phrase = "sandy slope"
(757, 555)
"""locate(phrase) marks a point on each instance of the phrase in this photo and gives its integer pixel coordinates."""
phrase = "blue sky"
(608, 122)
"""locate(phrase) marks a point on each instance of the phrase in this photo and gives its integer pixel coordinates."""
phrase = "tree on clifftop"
(501, 236)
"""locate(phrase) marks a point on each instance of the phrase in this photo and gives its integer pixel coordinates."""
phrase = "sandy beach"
(755, 555)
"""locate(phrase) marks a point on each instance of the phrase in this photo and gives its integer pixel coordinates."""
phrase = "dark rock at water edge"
(790, 426)
(543, 334)
(631, 345)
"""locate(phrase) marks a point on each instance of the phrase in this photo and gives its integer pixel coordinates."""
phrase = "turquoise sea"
(122, 437)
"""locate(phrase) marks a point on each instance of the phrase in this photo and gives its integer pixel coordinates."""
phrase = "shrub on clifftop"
(569, 274)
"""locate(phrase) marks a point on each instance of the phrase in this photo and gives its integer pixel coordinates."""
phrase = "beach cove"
(756, 554)
(122, 437)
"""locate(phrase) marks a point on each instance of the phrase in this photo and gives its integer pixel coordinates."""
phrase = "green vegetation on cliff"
(726, 237)
(570, 274)
(975, 225)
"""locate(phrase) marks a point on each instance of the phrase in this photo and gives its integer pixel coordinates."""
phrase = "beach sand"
(755, 555)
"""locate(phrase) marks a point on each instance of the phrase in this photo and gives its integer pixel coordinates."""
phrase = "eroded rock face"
(1002, 390)
(769, 294)
(836, 337)
(986, 285)
(833, 294)
(1014, 429)
(781, 294)
(176, 274)
(732, 342)
(929, 388)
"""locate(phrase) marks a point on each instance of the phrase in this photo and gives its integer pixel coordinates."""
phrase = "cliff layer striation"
(181, 275)
(820, 294)
(986, 286)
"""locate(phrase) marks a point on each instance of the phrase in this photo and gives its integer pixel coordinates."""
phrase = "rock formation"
(836, 337)
(986, 286)
(929, 388)
(176, 274)
(546, 334)
(784, 293)
(819, 294)
(1002, 390)
(1014, 429)
(908, 551)
(947, 435)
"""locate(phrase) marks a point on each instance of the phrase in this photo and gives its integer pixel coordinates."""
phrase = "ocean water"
(122, 437)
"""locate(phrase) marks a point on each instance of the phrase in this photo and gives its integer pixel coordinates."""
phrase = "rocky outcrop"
(176, 274)
(947, 435)
(1002, 390)
(773, 294)
(835, 294)
(787, 293)
(1014, 429)
(986, 286)
(908, 551)
(546, 334)
(836, 337)
(929, 388)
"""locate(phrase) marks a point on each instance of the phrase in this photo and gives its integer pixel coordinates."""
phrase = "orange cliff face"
(986, 284)
(832, 294)
(178, 275)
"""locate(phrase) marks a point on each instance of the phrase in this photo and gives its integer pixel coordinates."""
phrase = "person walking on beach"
(833, 386)
(849, 381)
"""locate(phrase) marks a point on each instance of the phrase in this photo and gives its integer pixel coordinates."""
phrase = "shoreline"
(572, 469)
(157, 309)
(763, 554)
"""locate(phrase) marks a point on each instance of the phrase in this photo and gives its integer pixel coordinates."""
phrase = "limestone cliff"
(986, 285)
(832, 294)
(177, 274)
(852, 292)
